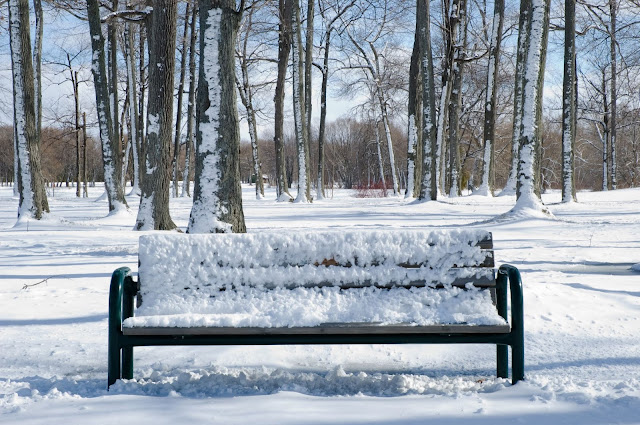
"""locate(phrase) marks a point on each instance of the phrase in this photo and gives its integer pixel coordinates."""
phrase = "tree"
(428, 189)
(191, 105)
(33, 200)
(153, 213)
(108, 138)
(569, 103)
(285, 8)
(299, 110)
(531, 59)
(487, 185)
(217, 199)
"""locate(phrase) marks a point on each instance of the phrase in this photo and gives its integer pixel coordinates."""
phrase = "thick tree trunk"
(33, 200)
(487, 185)
(537, 30)
(428, 189)
(110, 144)
(153, 213)
(191, 106)
(112, 66)
(569, 103)
(217, 200)
(284, 47)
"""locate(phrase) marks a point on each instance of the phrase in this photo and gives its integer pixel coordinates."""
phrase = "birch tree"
(217, 199)
(153, 213)
(32, 196)
(110, 143)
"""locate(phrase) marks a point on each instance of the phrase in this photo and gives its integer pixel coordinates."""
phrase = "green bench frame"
(124, 289)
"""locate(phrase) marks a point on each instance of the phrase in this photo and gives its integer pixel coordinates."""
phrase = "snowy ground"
(582, 324)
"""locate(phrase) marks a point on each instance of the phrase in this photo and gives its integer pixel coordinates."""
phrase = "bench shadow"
(55, 322)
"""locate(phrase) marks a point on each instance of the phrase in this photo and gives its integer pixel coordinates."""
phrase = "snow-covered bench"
(316, 288)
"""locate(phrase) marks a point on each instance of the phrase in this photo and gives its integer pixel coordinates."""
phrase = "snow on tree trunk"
(536, 13)
(110, 144)
(37, 64)
(428, 189)
(510, 187)
(33, 200)
(487, 185)
(299, 113)
(153, 213)
(413, 122)
(569, 104)
(217, 200)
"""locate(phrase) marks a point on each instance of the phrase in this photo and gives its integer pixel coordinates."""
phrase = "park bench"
(366, 287)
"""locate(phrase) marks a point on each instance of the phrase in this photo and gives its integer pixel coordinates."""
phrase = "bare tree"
(33, 200)
(109, 141)
(217, 199)
(569, 103)
(153, 213)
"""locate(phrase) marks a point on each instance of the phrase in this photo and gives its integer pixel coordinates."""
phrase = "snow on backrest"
(206, 264)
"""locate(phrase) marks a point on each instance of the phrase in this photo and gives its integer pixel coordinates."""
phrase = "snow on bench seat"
(272, 280)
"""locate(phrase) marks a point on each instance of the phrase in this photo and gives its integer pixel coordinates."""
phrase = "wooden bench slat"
(325, 329)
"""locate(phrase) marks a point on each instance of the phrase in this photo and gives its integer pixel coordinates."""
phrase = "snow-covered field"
(582, 325)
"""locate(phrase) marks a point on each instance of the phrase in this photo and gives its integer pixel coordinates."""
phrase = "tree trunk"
(37, 64)
(457, 68)
(284, 46)
(428, 189)
(299, 112)
(112, 61)
(569, 103)
(153, 213)
(323, 115)
(33, 199)
(535, 45)
(487, 186)
(134, 114)
(191, 106)
(183, 72)
(217, 200)
(85, 191)
(246, 97)
(413, 122)
(614, 93)
(308, 82)
(110, 144)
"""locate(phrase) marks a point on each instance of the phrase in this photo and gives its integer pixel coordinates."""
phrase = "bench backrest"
(204, 265)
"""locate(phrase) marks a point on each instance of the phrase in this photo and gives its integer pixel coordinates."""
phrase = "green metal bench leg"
(116, 292)
(517, 321)
(127, 363)
(502, 355)
(517, 365)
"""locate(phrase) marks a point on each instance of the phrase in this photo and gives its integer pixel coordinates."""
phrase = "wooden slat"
(325, 329)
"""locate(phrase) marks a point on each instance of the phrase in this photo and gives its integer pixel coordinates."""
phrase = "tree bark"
(308, 82)
(37, 64)
(569, 103)
(536, 13)
(428, 189)
(186, 183)
(33, 200)
(183, 72)
(413, 121)
(134, 112)
(153, 213)
(613, 7)
(217, 200)
(284, 47)
(299, 103)
(110, 144)
(487, 186)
